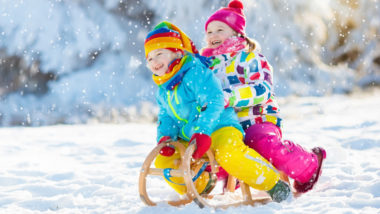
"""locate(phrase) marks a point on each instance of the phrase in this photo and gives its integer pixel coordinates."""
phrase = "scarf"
(174, 67)
(231, 44)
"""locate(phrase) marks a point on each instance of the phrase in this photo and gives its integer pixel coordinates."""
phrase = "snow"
(95, 49)
(94, 168)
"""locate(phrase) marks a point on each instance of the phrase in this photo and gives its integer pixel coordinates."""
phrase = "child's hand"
(203, 143)
(166, 150)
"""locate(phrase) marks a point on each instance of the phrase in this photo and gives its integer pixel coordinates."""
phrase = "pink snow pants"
(286, 156)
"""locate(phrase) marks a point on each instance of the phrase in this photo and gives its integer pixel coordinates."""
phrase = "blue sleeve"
(209, 97)
(166, 126)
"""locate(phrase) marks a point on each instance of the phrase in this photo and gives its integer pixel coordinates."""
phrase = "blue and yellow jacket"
(194, 105)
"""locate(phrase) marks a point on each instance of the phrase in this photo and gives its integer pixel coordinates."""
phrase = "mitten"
(166, 150)
(203, 143)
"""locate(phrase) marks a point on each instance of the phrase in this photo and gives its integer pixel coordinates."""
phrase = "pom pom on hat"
(232, 15)
(236, 4)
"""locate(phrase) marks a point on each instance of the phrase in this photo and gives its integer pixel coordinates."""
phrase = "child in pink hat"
(247, 81)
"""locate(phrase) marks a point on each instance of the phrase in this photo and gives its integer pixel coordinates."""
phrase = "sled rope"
(167, 175)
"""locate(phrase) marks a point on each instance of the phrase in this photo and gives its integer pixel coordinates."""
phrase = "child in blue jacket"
(191, 104)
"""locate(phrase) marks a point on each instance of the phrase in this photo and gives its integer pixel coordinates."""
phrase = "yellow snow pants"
(234, 156)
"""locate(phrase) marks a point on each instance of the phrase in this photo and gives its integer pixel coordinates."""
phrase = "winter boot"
(304, 187)
(280, 191)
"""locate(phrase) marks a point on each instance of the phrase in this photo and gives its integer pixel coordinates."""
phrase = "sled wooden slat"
(160, 172)
(247, 196)
(284, 177)
(231, 183)
(180, 202)
(211, 159)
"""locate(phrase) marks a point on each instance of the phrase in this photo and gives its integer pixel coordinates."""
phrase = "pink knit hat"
(232, 15)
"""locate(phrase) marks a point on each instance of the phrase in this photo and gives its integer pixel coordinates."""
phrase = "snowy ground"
(94, 168)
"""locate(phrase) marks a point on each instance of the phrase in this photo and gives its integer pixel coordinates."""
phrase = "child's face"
(217, 32)
(159, 60)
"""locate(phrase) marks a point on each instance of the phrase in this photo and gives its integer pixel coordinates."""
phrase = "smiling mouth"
(158, 67)
(217, 42)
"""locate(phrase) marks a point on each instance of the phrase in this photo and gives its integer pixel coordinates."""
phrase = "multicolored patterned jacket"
(247, 81)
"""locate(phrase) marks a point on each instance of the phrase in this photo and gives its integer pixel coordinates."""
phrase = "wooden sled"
(185, 171)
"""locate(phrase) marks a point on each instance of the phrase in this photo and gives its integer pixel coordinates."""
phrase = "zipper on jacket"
(173, 110)
(183, 133)
(175, 94)
(175, 113)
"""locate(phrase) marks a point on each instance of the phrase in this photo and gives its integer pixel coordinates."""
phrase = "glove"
(203, 142)
(166, 150)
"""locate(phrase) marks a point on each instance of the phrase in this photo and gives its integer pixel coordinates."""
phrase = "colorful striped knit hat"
(232, 15)
(167, 35)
